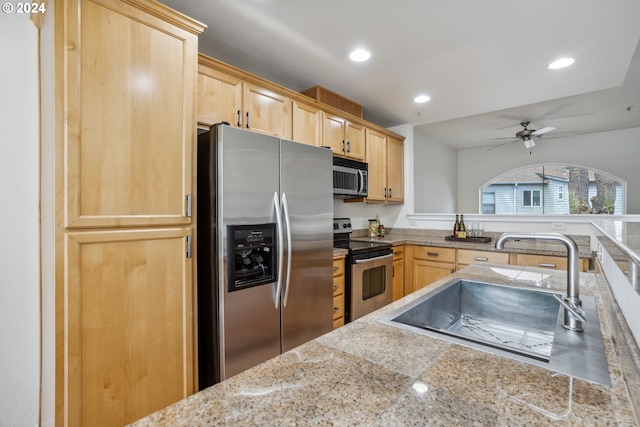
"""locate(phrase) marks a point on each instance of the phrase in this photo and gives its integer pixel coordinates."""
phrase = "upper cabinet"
(225, 94)
(307, 123)
(314, 117)
(385, 156)
(346, 138)
(129, 118)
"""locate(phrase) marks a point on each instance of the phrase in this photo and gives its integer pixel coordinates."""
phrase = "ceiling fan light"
(528, 143)
(561, 63)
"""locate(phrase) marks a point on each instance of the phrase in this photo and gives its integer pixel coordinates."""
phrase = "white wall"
(616, 152)
(19, 238)
(436, 167)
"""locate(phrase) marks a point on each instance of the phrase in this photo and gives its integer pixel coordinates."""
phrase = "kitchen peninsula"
(369, 373)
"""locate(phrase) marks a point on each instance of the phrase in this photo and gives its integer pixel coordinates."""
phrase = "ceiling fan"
(528, 135)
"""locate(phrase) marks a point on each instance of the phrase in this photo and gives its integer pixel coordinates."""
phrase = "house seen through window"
(555, 190)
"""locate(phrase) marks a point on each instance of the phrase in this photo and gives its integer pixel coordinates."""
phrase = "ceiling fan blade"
(507, 137)
(543, 130)
(558, 135)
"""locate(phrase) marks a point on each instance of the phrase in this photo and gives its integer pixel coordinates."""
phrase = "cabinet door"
(395, 170)
(377, 161)
(129, 342)
(266, 111)
(307, 124)
(398, 279)
(427, 272)
(129, 119)
(355, 141)
(333, 133)
(219, 97)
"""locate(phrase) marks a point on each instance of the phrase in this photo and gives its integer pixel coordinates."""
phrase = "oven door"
(371, 281)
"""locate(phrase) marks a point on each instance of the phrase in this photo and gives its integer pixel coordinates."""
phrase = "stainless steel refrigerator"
(264, 248)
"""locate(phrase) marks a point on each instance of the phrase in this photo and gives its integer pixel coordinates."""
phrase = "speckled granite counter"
(371, 374)
(436, 238)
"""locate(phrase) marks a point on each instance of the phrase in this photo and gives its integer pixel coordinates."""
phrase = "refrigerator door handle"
(279, 224)
(285, 208)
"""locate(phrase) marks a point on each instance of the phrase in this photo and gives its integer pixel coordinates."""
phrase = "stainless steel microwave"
(350, 178)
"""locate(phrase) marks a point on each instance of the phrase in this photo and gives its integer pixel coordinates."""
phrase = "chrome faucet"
(573, 313)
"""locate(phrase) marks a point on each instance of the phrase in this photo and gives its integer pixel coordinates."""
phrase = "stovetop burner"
(341, 239)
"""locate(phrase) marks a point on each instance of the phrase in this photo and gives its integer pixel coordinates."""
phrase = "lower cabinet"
(427, 264)
(398, 272)
(546, 261)
(338, 292)
(467, 257)
(128, 324)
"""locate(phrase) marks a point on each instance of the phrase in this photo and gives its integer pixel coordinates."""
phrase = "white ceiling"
(482, 62)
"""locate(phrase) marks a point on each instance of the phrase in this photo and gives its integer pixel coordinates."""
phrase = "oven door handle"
(361, 261)
(280, 248)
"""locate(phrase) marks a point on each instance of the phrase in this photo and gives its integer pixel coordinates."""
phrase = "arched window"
(554, 189)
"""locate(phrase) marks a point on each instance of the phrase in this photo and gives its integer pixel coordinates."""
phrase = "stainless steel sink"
(519, 323)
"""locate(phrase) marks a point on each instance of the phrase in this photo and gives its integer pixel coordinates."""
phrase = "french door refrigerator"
(264, 247)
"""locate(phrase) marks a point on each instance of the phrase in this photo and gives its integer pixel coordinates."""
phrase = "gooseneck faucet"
(573, 313)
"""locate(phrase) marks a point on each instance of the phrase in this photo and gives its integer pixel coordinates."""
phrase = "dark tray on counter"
(478, 239)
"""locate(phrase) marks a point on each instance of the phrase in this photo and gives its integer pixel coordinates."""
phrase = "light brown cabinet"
(398, 272)
(385, 157)
(118, 143)
(546, 261)
(395, 169)
(307, 123)
(346, 138)
(227, 94)
(427, 264)
(468, 256)
(338, 292)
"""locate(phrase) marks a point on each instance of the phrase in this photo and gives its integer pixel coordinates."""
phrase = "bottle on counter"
(381, 231)
(462, 230)
(456, 226)
(373, 228)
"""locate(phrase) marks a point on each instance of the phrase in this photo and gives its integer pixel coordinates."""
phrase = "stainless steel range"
(369, 271)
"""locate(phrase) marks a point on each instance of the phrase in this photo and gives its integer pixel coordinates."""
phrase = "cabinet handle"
(385, 192)
(336, 287)
(336, 309)
(239, 118)
(336, 268)
(390, 193)
(481, 258)
(344, 146)
(547, 265)
(248, 126)
(397, 253)
(433, 254)
(348, 146)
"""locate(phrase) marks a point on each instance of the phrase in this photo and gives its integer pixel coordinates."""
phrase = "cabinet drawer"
(338, 266)
(398, 252)
(338, 307)
(434, 253)
(544, 261)
(338, 322)
(338, 286)
(466, 257)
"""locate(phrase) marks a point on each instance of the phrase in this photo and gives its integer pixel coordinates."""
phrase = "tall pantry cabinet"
(118, 150)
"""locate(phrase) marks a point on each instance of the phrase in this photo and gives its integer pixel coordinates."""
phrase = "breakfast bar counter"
(371, 374)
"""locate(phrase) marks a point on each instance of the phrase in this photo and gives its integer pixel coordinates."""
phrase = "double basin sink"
(519, 323)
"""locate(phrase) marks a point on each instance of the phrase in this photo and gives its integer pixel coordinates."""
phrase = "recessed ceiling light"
(359, 55)
(421, 99)
(561, 63)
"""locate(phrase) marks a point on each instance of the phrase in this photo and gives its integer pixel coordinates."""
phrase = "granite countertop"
(436, 238)
(371, 374)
